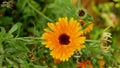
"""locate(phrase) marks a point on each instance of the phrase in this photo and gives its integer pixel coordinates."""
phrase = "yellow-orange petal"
(88, 29)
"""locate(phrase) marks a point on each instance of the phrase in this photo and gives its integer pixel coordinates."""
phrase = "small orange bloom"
(85, 64)
(101, 63)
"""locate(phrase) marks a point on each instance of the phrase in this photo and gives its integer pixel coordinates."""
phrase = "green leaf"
(21, 7)
(5, 20)
(2, 33)
(14, 28)
(9, 61)
(36, 66)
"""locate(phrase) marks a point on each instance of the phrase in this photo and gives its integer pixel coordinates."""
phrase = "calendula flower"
(102, 64)
(86, 64)
(63, 38)
(88, 29)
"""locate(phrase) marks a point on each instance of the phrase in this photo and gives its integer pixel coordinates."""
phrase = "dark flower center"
(81, 12)
(64, 39)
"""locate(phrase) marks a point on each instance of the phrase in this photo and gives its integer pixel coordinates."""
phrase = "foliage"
(22, 23)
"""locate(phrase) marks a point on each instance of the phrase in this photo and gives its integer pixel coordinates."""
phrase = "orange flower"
(85, 64)
(88, 29)
(64, 38)
(101, 63)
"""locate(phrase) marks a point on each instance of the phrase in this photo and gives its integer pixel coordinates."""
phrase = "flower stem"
(106, 28)
(1, 54)
(27, 39)
(40, 13)
(97, 41)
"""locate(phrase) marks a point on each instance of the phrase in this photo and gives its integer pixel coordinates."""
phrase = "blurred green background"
(22, 23)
